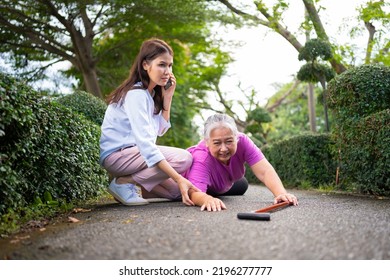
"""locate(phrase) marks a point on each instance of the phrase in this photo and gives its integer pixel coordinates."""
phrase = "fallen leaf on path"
(81, 210)
(19, 238)
(24, 237)
(73, 220)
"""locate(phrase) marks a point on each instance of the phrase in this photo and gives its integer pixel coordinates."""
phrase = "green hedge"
(45, 150)
(359, 92)
(85, 103)
(360, 101)
(365, 154)
(301, 161)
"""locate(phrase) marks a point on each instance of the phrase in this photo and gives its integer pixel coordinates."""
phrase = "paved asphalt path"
(322, 227)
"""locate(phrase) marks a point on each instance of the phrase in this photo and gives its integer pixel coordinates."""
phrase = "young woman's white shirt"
(133, 123)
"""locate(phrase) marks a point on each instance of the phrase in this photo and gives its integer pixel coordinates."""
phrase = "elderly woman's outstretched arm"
(265, 172)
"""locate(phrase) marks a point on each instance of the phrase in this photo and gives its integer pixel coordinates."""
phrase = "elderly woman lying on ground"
(218, 165)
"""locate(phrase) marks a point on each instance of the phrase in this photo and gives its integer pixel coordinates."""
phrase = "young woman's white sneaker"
(126, 193)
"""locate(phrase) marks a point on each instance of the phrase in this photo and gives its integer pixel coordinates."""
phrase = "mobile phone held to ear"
(168, 85)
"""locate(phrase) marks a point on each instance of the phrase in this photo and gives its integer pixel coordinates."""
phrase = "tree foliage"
(255, 121)
(271, 16)
(314, 71)
(311, 71)
(377, 22)
(291, 116)
(315, 49)
(99, 38)
(374, 16)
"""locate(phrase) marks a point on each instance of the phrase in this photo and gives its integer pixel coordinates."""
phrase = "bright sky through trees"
(266, 58)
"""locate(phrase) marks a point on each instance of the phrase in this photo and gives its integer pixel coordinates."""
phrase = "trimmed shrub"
(365, 154)
(300, 161)
(18, 103)
(359, 92)
(360, 101)
(85, 103)
(45, 148)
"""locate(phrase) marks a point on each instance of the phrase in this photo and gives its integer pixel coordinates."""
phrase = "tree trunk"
(310, 92)
(312, 111)
(91, 83)
(82, 45)
(371, 32)
(323, 84)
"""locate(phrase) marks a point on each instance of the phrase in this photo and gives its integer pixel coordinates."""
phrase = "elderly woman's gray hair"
(218, 121)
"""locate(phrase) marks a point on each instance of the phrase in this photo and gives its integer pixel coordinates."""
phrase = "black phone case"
(168, 85)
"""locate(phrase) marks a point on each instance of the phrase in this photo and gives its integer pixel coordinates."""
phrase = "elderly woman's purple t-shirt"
(206, 172)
